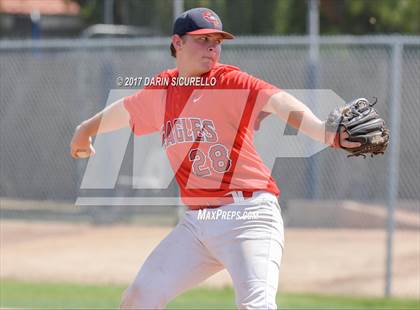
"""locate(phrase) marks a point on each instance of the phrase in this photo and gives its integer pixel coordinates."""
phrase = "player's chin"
(207, 64)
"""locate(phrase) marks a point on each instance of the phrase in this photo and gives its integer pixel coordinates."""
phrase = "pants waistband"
(240, 196)
(229, 198)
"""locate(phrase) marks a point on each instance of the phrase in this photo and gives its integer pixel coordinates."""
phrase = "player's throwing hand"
(81, 144)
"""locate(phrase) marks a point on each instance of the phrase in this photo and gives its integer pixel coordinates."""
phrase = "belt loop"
(240, 196)
(237, 196)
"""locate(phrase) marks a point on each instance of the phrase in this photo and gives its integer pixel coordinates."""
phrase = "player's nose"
(212, 46)
(212, 49)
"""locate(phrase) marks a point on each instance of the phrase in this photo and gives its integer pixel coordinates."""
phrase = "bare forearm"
(297, 115)
(113, 117)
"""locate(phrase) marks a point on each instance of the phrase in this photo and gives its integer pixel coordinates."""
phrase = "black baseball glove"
(362, 124)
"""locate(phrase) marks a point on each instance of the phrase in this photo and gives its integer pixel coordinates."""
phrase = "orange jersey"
(207, 126)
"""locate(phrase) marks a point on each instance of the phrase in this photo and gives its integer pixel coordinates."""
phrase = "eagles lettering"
(180, 130)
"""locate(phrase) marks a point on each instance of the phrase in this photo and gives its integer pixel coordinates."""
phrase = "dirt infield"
(348, 261)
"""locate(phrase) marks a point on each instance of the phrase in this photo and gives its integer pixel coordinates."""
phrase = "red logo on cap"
(208, 16)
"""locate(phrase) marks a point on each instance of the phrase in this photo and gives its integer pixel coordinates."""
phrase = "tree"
(270, 17)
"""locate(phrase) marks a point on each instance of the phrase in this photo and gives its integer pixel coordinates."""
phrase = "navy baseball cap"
(199, 21)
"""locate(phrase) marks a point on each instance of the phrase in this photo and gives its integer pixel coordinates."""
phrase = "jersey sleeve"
(260, 93)
(146, 109)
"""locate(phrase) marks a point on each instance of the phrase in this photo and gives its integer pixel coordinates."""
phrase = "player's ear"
(177, 42)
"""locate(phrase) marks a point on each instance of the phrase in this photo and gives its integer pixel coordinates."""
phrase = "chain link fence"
(48, 87)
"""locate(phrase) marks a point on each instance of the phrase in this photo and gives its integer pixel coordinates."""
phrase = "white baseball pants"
(248, 242)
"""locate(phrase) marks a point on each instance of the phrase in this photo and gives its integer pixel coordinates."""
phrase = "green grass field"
(72, 296)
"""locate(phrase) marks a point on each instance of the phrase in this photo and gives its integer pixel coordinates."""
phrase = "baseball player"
(206, 113)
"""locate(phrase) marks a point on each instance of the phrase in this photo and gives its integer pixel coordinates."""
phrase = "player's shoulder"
(223, 68)
(222, 71)
(232, 76)
(168, 73)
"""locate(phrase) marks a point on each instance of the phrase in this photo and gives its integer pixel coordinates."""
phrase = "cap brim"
(226, 35)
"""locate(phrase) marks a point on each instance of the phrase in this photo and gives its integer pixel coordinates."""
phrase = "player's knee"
(142, 297)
